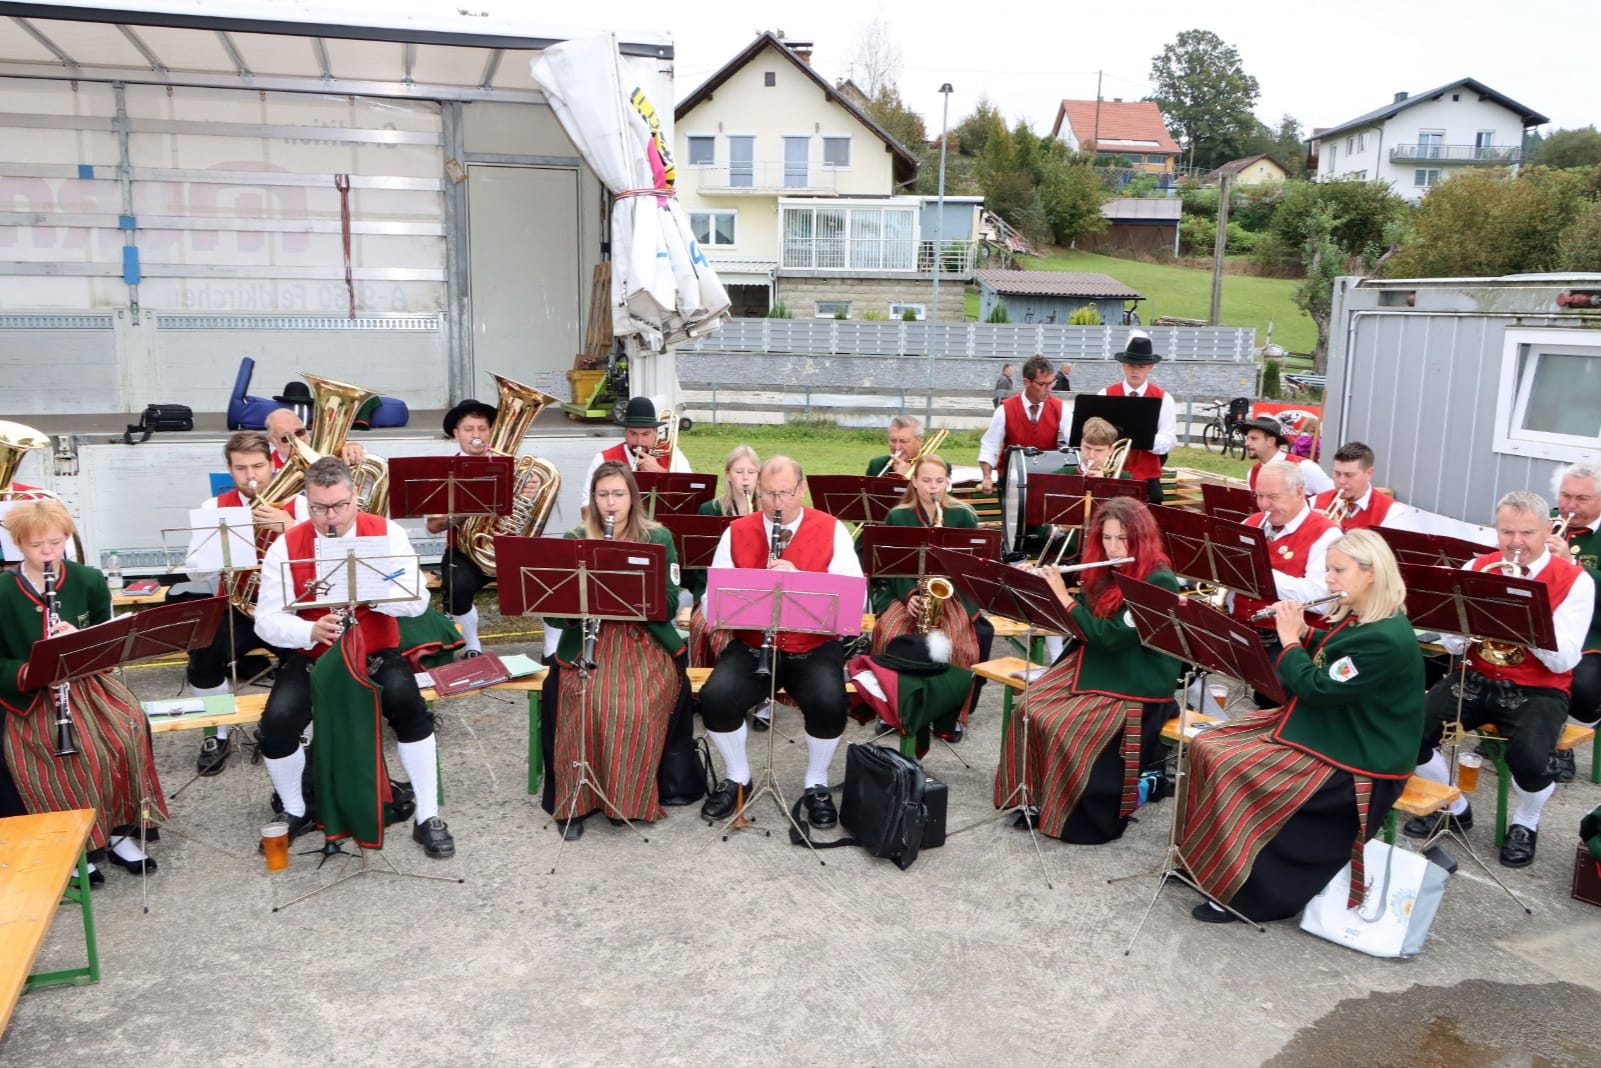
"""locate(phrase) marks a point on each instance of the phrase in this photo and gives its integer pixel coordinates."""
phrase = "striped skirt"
(1265, 826)
(705, 644)
(955, 622)
(630, 701)
(114, 757)
(1083, 758)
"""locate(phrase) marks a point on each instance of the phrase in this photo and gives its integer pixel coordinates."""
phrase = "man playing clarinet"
(809, 667)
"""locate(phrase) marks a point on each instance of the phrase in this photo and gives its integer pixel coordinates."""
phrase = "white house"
(794, 193)
(1414, 141)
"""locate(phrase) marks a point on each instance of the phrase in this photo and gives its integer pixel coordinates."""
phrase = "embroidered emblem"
(672, 571)
(1342, 670)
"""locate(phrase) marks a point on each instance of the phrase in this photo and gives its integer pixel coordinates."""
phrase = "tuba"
(15, 442)
(334, 408)
(519, 405)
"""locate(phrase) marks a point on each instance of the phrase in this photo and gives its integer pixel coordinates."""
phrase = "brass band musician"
(1576, 532)
(1354, 503)
(642, 447)
(905, 443)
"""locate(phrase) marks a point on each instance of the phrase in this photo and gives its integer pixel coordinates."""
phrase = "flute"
(1063, 569)
(1270, 611)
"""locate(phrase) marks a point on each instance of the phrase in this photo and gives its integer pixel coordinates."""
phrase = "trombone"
(931, 445)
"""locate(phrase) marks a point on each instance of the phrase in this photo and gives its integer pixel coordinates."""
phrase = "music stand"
(1412, 547)
(1480, 606)
(1228, 502)
(903, 552)
(695, 537)
(1069, 501)
(1134, 417)
(856, 498)
(1218, 551)
(1197, 634)
(795, 602)
(1016, 593)
(674, 492)
(456, 487)
(591, 580)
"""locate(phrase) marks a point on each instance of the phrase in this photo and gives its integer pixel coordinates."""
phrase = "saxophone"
(60, 694)
(934, 590)
(519, 405)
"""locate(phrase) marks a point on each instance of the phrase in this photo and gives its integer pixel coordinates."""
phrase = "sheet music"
(366, 562)
(1407, 517)
(220, 539)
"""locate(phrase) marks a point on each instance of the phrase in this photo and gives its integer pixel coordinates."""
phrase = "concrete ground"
(688, 949)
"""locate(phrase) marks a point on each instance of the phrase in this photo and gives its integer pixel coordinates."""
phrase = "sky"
(1323, 64)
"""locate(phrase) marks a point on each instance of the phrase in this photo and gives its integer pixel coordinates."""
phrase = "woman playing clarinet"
(1279, 801)
(637, 693)
(87, 744)
(738, 498)
(1093, 721)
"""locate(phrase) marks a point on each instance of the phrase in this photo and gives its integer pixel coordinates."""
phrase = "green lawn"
(1187, 292)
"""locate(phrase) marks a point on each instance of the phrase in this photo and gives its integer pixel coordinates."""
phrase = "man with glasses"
(809, 667)
(283, 424)
(308, 633)
(905, 442)
(1031, 419)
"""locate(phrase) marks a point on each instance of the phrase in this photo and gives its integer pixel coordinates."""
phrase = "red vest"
(1021, 432)
(1371, 516)
(1288, 554)
(618, 453)
(378, 630)
(1140, 464)
(1558, 575)
(811, 549)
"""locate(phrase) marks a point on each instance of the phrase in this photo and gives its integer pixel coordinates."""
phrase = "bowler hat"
(1138, 349)
(461, 411)
(296, 392)
(1268, 425)
(911, 655)
(641, 413)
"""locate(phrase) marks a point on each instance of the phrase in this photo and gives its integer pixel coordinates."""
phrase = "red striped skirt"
(705, 644)
(631, 698)
(958, 626)
(114, 756)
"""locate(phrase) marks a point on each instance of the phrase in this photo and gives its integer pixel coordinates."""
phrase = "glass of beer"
(1220, 696)
(1467, 771)
(275, 844)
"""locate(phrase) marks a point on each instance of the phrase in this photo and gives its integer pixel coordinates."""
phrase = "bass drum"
(1020, 464)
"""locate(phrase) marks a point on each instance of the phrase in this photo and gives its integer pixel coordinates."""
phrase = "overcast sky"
(1322, 63)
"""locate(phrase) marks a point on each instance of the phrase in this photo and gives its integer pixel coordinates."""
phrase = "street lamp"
(939, 232)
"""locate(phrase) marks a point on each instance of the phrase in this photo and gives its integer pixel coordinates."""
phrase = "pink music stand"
(588, 578)
(856, 498)
(450, 486)
(800, 602)
(696, 537)
(1217, 550)
(1436, 550)
(1228, 502)
(674, 492)
(159, 631)
(902, 552)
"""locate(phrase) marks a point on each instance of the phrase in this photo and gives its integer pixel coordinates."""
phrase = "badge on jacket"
(1342, 670)
(672, 572)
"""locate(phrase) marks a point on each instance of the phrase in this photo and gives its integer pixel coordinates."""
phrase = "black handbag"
(684, 777)
(889, 806)
(160, 417)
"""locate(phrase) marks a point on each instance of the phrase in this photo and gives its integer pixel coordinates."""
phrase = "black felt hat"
(461, 411)
(641, 413)
(910, 655)
(1268, 425)
(296, 392)
(1137, 349)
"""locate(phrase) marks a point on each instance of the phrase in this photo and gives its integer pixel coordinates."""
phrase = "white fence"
(1055, 341)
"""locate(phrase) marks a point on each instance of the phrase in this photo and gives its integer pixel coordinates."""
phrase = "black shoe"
(1426, 826)
(97, 876)
(1026, 818)
(1562, 765)
(1518, 852)
(1207, 912)
(953, 736)
(880, 728)
(572, 830)
(148, 866)
(820, 810)
(402, 802)
(470, 653)
(213, 755)
(725, 800)
(434, 837)
(298, 825)
(758, 722)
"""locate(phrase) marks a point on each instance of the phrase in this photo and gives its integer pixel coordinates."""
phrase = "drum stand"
(331, 849)
(1020, 801)
(585, 770)
(1174, 865)
(769, 783)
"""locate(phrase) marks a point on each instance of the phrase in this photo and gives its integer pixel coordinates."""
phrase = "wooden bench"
(123, 599)
(1422, 797)
(38, 857)
(1170, 729)
(1004, 670)
(1494, 747)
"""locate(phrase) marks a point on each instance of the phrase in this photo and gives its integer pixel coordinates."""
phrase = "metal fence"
(899, 338)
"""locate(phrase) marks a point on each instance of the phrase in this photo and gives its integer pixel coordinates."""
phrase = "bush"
(876, 315)
(909, 315)
(997, 315)
(1272, 389)
(1085, 316)
(1196, 234)
(1240, 239)
(780, 310)
(1200, 200)
(1141, 186)
(1580, 247)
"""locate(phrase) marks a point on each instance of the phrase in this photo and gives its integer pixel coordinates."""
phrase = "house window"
(769, 79)
(1484, 146)
(1550, 394)
(1360, 176)
(832, 309)
(836, 151)
(1430, 143)
(1362, 142)
(898, 311)
(1334, 155)
(1425, 179)
(797, 153)
(713, 228)
(840, 238)
(702, 151)
(1350, 145)
(742, 161)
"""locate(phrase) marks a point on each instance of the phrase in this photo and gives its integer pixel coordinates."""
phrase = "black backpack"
(889, 806)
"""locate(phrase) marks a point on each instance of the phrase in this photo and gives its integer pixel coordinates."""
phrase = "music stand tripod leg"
(344, 875)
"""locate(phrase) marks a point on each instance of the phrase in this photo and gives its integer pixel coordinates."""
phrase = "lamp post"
(939, 232)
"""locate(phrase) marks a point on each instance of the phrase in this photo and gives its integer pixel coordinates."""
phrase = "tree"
(876, 64)
(1484, 223)
(969, 136)
(1205, 95)
(899, 121)
(1568, 148)
(1580, 247)
(1038, 186)
(1315, 294)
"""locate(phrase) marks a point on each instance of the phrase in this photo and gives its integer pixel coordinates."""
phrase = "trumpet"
(1338, 511)
(1306, 606)
(1506, 654)
(1561, 523)
(60, 694)
(764, 655)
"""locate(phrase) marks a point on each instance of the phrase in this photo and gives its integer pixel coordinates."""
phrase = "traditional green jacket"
(82, 599)
(1587, 542)
(1114, 662)
(1356, 696)
(885, 592)
(694, 579)
(666, 635)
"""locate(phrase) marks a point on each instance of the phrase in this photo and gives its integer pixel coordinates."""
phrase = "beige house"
(792, 193)
(1252, 170)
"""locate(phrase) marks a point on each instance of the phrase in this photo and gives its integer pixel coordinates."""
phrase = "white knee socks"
(1435, 769)
(1053, 648)
(1529, 805)
(285, 774)
(421, 761)
(469, 629)
(819, 754)
(731, 747)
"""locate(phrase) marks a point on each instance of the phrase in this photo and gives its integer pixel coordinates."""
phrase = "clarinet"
(764, 655)
(592, 626)
(61, 694)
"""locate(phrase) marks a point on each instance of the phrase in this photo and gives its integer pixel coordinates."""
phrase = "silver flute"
(1306, 606)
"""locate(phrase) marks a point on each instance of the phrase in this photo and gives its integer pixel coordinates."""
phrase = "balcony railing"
(766, 177)
(879, 255)
(1455, 154)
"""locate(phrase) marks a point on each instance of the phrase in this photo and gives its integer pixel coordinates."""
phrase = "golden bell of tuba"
(15, 442)
(519, 405)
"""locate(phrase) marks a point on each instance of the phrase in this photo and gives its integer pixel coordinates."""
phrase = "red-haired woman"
(1093, 721)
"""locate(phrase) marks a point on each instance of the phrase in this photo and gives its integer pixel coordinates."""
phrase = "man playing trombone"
(905, 446)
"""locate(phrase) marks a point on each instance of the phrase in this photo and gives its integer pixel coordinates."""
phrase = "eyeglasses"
(610, 495)
(1046, 381)
(780, 495)
(328, 509)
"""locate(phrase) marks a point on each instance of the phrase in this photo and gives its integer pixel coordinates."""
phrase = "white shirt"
(843, 562)
(1315, 583)
(208, 582)
(680, 464)
(1571, 619)
(278, 626)
(994, 439)
(1166, 420)
(1313, 478)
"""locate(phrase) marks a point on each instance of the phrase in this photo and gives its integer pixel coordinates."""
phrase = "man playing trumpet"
(1353, 503)
(1576, 533)
(640, 448)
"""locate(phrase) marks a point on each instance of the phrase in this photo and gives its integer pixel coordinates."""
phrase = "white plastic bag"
(1404, 890)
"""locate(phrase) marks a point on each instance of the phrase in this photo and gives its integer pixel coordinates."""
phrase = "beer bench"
(1422, 797)
(1170, 729)
(42, 862)
(123, 599)
(1002, 669)
(1494, 747)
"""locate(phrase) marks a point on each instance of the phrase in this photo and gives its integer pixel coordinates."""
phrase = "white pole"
(939, 232)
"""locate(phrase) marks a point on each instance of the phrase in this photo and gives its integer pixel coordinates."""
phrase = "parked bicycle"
(1225, 429)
